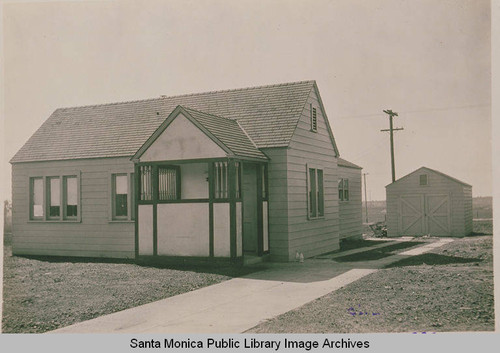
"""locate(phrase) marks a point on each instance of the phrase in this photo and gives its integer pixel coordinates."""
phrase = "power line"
(416, 111)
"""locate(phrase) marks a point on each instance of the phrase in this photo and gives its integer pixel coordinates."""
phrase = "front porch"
(211, 209)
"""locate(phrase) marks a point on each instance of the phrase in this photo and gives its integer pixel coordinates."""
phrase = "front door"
(250, 225)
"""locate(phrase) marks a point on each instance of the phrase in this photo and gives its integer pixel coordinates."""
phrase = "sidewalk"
(239, 304)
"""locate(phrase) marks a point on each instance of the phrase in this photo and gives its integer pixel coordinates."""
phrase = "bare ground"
(42, 295)
(448, 289)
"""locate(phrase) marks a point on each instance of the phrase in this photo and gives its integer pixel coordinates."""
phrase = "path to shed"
(239, 304)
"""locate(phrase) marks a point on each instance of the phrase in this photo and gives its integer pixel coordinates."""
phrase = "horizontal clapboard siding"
(460, 198)
(315, 236)
(350, 217)
(94, 235)
(278, 203)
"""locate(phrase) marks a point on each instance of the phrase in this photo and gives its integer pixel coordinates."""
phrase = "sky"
(427, 60)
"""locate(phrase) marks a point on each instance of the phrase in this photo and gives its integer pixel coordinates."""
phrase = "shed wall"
(351, 211)
(438, 184)
(315, 236)
(95, 235)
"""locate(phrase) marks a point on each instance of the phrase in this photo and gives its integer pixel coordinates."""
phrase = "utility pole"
(391, 129)
(366, 200)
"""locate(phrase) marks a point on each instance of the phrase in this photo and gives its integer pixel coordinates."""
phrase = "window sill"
(121, 221)
(315, 218)
(54, 221)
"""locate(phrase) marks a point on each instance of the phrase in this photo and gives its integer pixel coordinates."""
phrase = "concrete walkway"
(239, 304)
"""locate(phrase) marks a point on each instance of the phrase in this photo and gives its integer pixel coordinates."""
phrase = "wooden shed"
(427, 201)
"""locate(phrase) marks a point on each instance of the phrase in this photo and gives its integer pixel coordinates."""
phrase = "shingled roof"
(268, 114)
(225, 132)
(343, 163)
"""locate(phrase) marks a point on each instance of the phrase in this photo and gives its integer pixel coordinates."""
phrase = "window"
(168, 183)
(314, 119)
(315, 193)
(70, 197)
(238, 179)
(423, 179)
(264, 182)
(122, 196)
(54, 198)
(146, 183)
(36, 198)
(220, 180)
(344, 189)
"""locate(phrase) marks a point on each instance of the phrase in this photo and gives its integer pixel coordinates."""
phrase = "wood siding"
(314, 149)
(278, 203)
(459, 201)
(467, 190)
(95, 235)
(350, 216)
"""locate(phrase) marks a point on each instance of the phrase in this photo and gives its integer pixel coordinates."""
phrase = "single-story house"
(427, 201)
(218, 175)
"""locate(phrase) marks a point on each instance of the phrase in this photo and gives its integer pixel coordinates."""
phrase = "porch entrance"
(250, 215)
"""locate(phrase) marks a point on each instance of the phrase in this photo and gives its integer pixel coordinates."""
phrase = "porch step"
(254, 259)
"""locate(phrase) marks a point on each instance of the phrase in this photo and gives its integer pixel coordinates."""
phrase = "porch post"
(260, 221)
(211, 208)
(154, 189)
(232, 207)
(136, 206)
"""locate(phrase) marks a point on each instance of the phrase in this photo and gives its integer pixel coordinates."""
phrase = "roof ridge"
(209, 114)
(240, 89)
(188, 95)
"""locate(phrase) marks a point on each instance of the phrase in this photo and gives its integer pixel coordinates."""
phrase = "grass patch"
(432, 259)
(378, 253)
(355, 244)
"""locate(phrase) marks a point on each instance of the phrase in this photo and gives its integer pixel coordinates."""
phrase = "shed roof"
(431, 170)
(268, 114)
(225, 132)
(343, 163)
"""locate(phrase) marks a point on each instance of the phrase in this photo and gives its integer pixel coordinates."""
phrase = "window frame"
(45, 177)
(130, 217)
(48, 191)
(313, 210)
(31, 212)
(343, 190)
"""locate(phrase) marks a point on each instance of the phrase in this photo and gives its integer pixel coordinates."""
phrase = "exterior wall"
(278, 203)
(438, 184)
(183, 229)
(350, 212)
(182, 140)
(468, 209)
(95, 235)
(316, 236)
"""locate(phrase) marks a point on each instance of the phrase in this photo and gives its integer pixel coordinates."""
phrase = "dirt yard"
(42, 295)
(447, 289)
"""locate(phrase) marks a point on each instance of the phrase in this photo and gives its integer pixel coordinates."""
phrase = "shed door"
(411, 211)
(438, 214)
(424, 214)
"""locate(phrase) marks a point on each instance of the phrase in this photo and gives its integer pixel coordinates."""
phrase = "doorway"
(250, 216)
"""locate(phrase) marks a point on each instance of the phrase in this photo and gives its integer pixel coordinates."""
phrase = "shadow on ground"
(224, 269)
(432, 259)
(377, 254)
